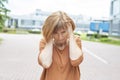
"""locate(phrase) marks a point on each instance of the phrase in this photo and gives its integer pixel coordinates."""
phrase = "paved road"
(18, 59)
(102, 61)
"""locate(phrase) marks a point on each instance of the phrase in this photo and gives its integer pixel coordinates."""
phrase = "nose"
(60, 37)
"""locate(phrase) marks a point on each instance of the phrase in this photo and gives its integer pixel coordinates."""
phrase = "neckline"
(59, 49)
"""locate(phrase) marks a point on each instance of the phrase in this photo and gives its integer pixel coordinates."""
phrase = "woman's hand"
(75, 51)
(70, 30)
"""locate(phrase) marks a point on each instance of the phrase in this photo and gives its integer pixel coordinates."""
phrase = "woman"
(60, 51)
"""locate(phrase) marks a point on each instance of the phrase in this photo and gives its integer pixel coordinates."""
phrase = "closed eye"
(63, 31)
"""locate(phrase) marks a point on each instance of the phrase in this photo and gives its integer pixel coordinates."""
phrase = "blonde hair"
(55, 21)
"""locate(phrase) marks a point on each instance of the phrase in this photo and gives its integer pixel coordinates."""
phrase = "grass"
(110, 41)
(20, 31)
(106, 40)
(15, 31)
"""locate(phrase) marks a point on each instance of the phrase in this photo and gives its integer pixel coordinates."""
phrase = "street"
(18, 59)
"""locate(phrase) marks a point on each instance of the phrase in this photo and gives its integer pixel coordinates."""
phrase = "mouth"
(60, 42)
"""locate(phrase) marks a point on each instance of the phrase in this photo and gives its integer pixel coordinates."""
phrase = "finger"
(69, 28)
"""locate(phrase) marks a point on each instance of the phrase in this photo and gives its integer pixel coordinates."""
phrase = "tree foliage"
(3, 12)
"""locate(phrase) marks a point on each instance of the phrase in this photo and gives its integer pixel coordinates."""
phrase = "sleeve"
(80, 59)
(41, 47)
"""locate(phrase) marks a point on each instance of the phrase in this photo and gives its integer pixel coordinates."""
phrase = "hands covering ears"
(75, 51)
(46, 54)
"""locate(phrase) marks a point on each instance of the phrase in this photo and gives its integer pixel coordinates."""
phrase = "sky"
(90, 8)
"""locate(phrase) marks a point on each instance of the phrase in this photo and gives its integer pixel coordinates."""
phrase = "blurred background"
(97, 23)
(95, 18)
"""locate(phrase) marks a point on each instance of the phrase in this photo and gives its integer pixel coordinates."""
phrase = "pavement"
(18, 59)
(101, 61)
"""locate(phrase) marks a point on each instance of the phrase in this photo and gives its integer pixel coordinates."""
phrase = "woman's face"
(60, 36)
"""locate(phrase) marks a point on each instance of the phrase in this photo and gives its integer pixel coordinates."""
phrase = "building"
(37, 18)
(30, 21)
(100, 26)
(82, 23)
(115, 18)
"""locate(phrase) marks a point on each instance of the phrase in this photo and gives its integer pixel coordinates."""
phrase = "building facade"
(30, 21)
(37, 18)
(115, 18)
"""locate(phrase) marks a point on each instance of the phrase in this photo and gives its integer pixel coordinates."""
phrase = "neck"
(61, 46)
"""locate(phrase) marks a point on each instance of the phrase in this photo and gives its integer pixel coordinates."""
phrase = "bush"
(97, 35)
(0, 29)
(76, 33)
(105, 40)
(34, 31)
(9, 30)
(21, 31)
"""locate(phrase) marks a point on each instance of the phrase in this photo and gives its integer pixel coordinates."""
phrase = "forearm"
(77, 61)
(45, 56)
(75, 51)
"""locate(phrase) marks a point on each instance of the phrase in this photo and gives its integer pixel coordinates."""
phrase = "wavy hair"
(55, 21)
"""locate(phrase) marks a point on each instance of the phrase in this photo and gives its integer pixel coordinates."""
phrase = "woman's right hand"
(70, 29)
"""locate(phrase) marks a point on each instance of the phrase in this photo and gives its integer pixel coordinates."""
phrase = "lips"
(61, 40)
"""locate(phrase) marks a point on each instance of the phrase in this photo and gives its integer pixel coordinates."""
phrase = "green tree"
(3, 13)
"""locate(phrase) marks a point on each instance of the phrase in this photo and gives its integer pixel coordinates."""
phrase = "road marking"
(92, 54)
